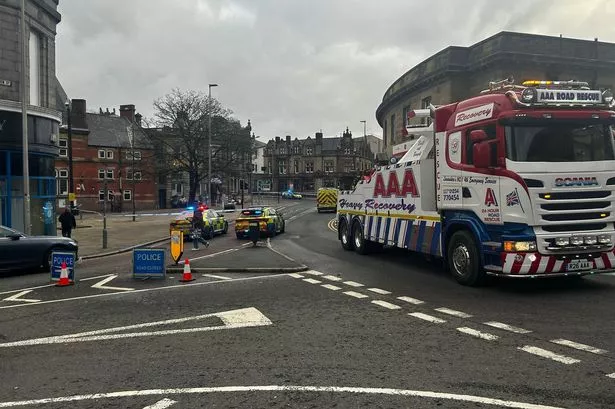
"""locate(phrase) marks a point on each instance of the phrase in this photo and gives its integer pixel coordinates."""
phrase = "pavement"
(386, 330)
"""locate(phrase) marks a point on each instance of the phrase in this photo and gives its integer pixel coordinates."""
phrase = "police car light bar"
(556, 84)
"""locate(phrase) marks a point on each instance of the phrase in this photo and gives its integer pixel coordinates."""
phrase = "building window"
(129, 174)
(269, 167)
(178, 188)
(137, 155)
(101, 173)
(392, 126)
(385, 130)
(347, 151)
(406, 111)
(63, 144)
(296, 166)
(109, 154)
(282, 167)
(282, 151)
(309, 151)
(34, 52)
(110, 195)
(63, 173)
(101, 154)
(309, 167)
(328, 166)
(62, 181)
(127, 195)
(109, 173)
(101, 195)
(297, 150)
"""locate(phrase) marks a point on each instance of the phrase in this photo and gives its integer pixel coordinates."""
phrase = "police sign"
(148, 263)
(59, 257)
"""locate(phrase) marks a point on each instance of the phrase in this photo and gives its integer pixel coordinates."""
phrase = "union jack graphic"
(513, 199)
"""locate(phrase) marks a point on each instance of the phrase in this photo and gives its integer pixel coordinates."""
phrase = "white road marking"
(355, 294)
(331, 287)
(427, 317)
(478, 334)
(353, 284)
(167, 287)
(346, 390)
(162, 404)
(311, 281)
(312, 272)
(210, 255)
(611, 375)
(217, 276)
(16, 297)
(411, 300)
(386, 305)
(242, 318)
(580, 347)
(295, 275)
(28, 288)
(507, 327)
(549, 355)
(332, 278)
(101, 285)
(94, 278)
(454, 313)
(379, 291)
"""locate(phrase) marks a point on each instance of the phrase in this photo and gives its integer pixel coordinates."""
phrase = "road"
(380, 331)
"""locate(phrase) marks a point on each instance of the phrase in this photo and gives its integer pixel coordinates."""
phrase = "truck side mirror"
(478, 135)
(481, 153)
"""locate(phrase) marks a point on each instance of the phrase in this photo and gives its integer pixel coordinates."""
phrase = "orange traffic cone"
(64, 280)
(187, 277)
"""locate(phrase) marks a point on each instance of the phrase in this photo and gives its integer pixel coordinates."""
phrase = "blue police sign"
(148, 263)
(59, 257)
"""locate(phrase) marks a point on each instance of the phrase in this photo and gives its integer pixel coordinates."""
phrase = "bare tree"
(182, 117)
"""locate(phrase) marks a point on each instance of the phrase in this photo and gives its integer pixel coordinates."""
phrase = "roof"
(111, 131)
(259, 144)
(331, 144)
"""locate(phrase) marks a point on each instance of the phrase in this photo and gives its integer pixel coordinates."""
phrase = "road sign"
(57, 258)
(177, 245)
(148, 263)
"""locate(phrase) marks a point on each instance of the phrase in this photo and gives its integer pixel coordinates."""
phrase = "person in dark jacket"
(68, 222)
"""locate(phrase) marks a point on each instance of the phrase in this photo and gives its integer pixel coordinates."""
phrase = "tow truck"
(517, 182)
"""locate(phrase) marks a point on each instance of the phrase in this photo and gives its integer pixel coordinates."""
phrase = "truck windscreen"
(570, 142)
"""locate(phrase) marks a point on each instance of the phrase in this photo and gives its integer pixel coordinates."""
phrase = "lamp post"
(209, 144)
(106, 194)
(71, 179)
(24, 125)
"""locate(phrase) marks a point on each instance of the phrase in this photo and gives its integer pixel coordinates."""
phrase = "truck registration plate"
(579, 265)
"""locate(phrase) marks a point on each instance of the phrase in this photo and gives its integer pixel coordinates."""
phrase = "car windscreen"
(569, 142)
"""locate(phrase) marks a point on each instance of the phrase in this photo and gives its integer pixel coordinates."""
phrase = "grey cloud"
(292, 67)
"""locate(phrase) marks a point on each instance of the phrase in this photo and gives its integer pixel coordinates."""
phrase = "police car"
(213, 222)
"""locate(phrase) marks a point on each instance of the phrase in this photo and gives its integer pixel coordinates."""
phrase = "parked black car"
(19, 251)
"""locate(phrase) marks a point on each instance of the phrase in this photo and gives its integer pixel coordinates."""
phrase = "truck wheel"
(464, 260)
(359, 243)
(345, 235)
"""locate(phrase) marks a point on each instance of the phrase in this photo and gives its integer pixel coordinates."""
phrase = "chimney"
(78, 113)
(138, 118)
(288, 139)
(128, 112)
(277, 140)
(318, 137)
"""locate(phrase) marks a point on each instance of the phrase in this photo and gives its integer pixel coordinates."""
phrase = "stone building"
(45, 99)
(305, 165)
(456, 73)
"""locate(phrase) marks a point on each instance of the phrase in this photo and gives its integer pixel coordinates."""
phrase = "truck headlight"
(511, 246)
(604, 239)
(562, 241)
(576, 240)
(590, 240)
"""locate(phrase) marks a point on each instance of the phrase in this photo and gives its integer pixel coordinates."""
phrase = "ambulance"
(517, 181)
(326, 199)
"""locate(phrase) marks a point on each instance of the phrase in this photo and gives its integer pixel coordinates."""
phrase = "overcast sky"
(291, 66)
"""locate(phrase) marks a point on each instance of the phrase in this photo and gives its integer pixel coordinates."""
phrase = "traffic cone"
(64, 280)
(187, 277)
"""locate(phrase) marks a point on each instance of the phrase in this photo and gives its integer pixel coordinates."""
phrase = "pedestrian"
(67, 221)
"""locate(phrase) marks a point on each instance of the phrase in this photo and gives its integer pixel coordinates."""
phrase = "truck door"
(448, 170)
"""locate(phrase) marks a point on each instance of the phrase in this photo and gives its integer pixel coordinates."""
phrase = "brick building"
(308, 164)
(103, 151)
(457, 73)
(43, 96)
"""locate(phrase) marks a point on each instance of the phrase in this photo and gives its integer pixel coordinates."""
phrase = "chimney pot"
(128, 112)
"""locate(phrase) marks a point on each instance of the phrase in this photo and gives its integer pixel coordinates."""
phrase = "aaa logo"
(490, 199)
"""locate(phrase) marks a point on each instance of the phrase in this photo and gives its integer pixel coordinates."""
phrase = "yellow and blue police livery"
(270, 222)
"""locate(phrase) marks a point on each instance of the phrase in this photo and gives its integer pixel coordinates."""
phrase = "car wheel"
(345, 235)
(225, 230)
(464, 260)
(283, 228)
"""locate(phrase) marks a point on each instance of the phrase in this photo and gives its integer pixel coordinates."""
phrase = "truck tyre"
(464, 259)
(345, 236)
(358, 241)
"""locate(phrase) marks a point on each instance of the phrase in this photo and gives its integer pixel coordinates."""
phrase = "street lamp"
(209, 149)
(71, 179)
